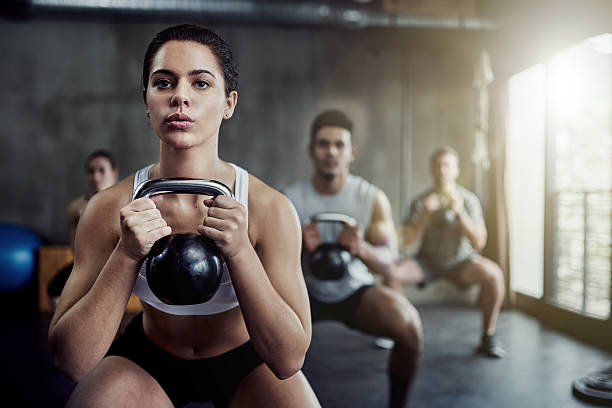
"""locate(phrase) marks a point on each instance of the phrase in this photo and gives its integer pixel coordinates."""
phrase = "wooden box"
(52, 259)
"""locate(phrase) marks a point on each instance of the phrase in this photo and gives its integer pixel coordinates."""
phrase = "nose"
(181, 95)
(98, 176)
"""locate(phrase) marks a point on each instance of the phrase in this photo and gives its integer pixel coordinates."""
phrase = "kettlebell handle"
(331, 217)
(181, 185)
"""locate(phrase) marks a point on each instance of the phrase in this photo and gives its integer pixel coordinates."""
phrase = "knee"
(111, 387)
(410, 331)
(493, 275)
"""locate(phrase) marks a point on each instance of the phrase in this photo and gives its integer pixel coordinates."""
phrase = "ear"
(230, 104)
(353, 152)
(144, 99)
(310, 148)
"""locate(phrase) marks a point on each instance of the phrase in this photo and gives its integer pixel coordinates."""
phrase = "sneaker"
(384, 343)
(491, 347)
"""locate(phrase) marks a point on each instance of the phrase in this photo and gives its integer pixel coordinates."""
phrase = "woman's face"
(100, 174)
(185, 96)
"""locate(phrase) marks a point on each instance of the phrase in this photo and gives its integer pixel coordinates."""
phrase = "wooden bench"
(52, 259)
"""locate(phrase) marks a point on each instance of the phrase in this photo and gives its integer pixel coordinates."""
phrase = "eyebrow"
(191, 73)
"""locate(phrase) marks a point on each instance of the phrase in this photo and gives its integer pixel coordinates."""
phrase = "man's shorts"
(207, 379)
(344, 311)
(431, 271)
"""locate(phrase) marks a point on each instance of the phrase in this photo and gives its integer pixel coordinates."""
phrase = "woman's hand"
(141, 225)
(226, 225)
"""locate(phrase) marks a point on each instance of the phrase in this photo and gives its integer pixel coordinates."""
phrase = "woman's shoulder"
(262, 195)
(76, 206)
(107, 203)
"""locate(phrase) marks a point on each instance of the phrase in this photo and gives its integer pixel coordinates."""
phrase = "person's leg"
(383, 311)
(261, 388)
(118, 382)
(490, 277)
(405, 272)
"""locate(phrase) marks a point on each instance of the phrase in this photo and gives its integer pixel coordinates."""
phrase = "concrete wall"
(70, 87)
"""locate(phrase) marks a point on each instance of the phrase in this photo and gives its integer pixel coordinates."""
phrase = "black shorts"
(344, 311)
(212, 379)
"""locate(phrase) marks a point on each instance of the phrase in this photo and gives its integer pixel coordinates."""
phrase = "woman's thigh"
(262, 389)
(118, 382)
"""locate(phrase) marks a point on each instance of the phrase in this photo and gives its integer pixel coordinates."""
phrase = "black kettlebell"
(186, 268)
(444, 216)
(330, 260)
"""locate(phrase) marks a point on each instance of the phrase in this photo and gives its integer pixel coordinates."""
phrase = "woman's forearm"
(82, 334)
(277, 332)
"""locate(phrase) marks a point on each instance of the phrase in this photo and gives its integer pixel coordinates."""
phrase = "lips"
(179, 121)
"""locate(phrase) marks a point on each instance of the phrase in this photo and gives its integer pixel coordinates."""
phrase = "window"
(525, 177)
(577, 119)
(579, 130)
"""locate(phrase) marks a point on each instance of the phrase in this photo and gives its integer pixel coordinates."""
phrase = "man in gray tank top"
(447, 222)
(355, 299)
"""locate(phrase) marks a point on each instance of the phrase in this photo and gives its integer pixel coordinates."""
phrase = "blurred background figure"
(447, 220)
(102, 172)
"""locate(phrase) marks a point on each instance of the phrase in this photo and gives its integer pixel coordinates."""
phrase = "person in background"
(447, 222)
(102, 172)
(356, 299)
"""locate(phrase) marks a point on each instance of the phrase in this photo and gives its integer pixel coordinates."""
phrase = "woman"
(215, 350)
(102, 172)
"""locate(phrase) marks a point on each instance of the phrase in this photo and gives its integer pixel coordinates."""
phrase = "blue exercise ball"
(18, 250)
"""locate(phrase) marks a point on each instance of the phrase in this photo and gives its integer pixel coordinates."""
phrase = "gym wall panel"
(73, 86)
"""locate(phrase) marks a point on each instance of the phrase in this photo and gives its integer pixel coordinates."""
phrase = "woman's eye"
(162, 84)
(201, 84)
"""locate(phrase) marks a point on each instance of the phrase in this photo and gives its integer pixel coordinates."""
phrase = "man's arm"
(469, 216)
(378, 249)
(414, 229)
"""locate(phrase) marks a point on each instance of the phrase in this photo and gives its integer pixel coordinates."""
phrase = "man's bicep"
(382, 229)
(474, 209)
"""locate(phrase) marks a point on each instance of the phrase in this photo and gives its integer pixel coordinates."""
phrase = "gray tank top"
(225, 297)
(356, 199)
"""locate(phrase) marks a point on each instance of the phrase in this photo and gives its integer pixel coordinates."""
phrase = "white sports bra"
(225, 297)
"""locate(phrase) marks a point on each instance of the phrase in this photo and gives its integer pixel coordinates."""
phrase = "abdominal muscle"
(195, 336)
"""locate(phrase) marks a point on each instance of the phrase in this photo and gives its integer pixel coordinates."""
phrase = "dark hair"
(192, 32)
(101, 153)
(442, 150)
(331, 117)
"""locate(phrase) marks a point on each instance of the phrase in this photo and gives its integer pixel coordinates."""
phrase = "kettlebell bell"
(185, 268)
(330, 260)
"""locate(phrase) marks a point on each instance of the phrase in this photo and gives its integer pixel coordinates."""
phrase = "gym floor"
(347, 370)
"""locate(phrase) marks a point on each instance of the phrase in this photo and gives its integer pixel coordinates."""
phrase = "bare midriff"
(192, 337)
